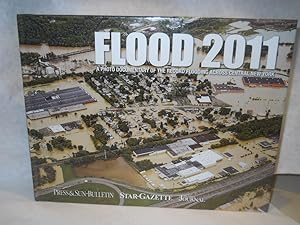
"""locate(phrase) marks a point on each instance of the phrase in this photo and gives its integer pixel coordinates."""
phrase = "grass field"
(68, 172)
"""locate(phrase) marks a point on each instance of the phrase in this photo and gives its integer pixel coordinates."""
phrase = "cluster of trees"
(99, 138)
(151, 122)
(224, 142)
(172, 121)
(257, 128)
(140, 97)
(36, 134)
(144, 165)
(162, 113)
(207, 114)
(153, 139)
(64, 30)
(210, 130)
(28, 58)
(49, 177)
(37, 161)
(49, 147)
(133, 141)
(152, 142)
(46, 80)
(178, 92)
(51, 173)
(90, 120)
(204, 85)
(127, 154)
(123, 126)
(82, 158)
(61, 143)
(100, 134)
(42, 80)
(242, 116)
(224, 111)
(36, 146)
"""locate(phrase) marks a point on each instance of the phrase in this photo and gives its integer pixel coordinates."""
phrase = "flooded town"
(212, 137)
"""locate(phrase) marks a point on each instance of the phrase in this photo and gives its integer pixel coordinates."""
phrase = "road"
(223, 186)
(212, 190)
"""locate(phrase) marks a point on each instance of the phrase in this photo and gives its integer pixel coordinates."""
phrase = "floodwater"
(92, 108)
(77, 136)
(259, 99)
(117, 169)
(239, 26)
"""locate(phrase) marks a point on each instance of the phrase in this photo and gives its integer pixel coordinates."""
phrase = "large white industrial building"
(199, 178)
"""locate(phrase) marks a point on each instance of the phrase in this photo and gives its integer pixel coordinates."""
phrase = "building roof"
(230, 170)
(199, 178)
(204, 99)
(143, 151)
(243, 165)
(57, 99)
(207, 158)
(205, 138)
(263, 80)
(227, 154)
(187, 141)
(189, 172)
(226, 87)
(181, 146)
(57, 128)
(265, 144)
(195, 146)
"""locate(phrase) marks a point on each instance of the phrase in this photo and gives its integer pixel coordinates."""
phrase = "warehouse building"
(149, 151)
(207, 158)
(44, 104)
(264, 82)
(181, 147)
(204, 100)
(199, 178)
(188, 167)
(225, 88)
(206, 138)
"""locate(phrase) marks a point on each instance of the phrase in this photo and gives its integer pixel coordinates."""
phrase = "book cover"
(179, 112)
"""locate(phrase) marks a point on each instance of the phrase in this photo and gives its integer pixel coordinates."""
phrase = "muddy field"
(117, 169)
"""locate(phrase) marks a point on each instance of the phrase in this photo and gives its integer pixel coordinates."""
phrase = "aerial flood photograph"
(161, 139)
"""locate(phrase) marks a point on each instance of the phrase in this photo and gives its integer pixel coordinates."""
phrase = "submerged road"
(211, 190)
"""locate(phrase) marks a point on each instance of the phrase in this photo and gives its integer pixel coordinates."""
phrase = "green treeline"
(73, 31)
(257, 128)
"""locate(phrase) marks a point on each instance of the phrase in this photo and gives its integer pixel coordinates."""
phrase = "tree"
(36, 134)
(123, 126)
(224, 111)
(61, 143)
(132, 141)
(144, 165)
(36, 146)
(80, 147)
(49, 147)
